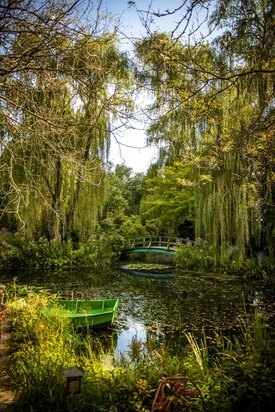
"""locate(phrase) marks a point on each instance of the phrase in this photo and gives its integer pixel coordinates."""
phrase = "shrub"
(194, 258)
(24, 252)
(201, 259)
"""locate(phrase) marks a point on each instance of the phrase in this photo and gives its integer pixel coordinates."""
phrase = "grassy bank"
(20, 252)
(237, 376)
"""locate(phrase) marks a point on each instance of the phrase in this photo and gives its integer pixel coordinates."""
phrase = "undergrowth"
(202, 259)
(18, 251)
(237, 376)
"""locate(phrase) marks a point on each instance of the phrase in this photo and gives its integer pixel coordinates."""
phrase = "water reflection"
(135, 331)
(155, 308)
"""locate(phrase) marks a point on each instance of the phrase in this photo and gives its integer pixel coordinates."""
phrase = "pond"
(157, 308)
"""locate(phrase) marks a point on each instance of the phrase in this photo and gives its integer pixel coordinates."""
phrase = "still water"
(159, 309)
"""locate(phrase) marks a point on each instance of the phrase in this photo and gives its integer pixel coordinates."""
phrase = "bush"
(201, 259)
(194, 258)
(24, 252)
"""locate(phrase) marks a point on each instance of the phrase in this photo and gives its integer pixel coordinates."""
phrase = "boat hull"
(93, 314)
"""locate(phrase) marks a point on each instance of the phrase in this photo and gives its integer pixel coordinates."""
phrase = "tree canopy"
(213, 109)
(64, 81)
(56, 102)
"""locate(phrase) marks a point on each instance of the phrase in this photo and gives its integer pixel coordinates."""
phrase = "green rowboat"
(93, 314)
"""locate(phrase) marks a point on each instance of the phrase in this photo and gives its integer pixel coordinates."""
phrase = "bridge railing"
(167, 242)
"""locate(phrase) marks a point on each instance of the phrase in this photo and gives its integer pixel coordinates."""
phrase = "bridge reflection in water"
(150, 274)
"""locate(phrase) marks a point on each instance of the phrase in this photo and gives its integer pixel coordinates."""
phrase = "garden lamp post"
(74, 376)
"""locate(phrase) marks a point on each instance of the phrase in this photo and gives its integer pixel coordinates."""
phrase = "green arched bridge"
(152, 244)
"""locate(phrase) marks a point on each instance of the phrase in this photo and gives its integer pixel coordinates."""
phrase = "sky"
(138, 157)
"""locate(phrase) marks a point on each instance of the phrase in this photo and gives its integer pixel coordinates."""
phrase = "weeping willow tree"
(56, 133)
(229, 206)
(215, 106)
(234, 207)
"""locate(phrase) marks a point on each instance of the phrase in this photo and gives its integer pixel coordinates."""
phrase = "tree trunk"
(55, 232)
(71, 212)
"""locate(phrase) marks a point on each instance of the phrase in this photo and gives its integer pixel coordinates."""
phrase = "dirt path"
(6, 393)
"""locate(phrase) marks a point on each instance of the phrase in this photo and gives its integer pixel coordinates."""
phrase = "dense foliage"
(20, 252)
(120, 217)
(168, 205)
(211, 112)
(200, 258)
(56, 105)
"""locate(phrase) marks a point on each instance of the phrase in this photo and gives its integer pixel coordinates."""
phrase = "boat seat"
(92, 313)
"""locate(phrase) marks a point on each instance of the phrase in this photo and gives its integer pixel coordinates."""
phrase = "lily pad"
(147, 267)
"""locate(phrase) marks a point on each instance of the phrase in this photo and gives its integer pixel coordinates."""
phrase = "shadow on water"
(155, 308)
